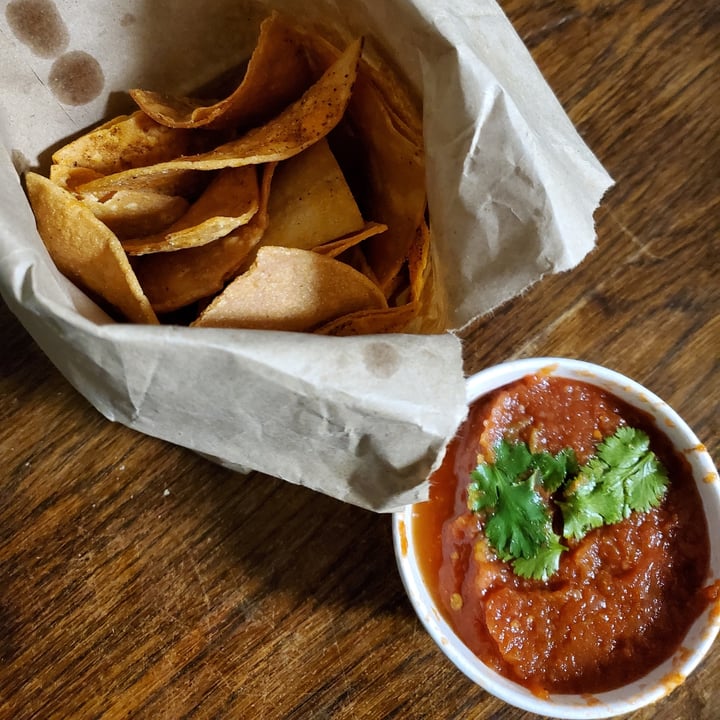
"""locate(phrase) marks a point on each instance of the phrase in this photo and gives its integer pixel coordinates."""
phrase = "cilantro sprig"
(518, 491)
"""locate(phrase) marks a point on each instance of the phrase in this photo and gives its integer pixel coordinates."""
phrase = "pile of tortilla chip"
(297, 202)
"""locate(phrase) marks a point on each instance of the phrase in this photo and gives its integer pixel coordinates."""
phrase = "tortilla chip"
(404, 109)
(385, 141)
(310, 202)
(128, 213)
(86, 251)
(398, 194)
(128, 141)
(298, 127)
(174, 280)
(69, 176)
(426, 286)
(403, 317)
(341, 245)
(277, 74)
(230, 201)
(371, 322)
(133, 213)
(291, 289)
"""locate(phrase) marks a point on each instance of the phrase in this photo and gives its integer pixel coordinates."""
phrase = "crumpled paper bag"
(512, 191)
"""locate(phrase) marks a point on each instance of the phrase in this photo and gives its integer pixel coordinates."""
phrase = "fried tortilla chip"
(400, 318)
(70, 176)
(230, 201)
(86, 251)
(404, 110)
(385, 141)
(291, 289)
(418, 260)
(128, 213)
(298, 127)
(310, 202)
(174, 280)
(341, 245)
(276, 76)
(126, 142)
(371, 322)
(397, 187)
(133, 213)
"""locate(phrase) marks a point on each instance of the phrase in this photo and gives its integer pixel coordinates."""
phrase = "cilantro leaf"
(593, 498)
(623, 449)
(544, 564)
(514, 458)
(646, 484)
(518, 527)
(624, 476)
(519, 521)
(490, 479)
(555, 468)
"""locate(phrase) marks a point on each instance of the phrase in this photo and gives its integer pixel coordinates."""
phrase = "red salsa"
(624, 595)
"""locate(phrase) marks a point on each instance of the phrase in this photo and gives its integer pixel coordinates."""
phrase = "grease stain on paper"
(381, 359)
(38, 25)
(76, 78)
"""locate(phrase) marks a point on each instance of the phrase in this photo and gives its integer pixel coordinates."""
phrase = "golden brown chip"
(133, 213)
(426, 285)
(69, 176)
(298, 127)
(230, 201)
(123, 143)
(310, 202)
(128, 213)
(277, 74)
(404, 110)
(385, 142)
(413, 300)
(174, 280)
(397, 191)
(371, 322)
(418, 259)
(341, 245)
(85, 251)
(291, 289)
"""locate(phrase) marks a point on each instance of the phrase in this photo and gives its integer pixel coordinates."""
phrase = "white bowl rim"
(660, 681)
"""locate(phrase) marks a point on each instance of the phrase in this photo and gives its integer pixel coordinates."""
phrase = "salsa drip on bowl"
(601, 602)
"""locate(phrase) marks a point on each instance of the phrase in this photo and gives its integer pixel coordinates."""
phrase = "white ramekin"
(660, 681)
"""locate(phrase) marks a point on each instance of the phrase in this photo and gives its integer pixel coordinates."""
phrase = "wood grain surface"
(138, 580)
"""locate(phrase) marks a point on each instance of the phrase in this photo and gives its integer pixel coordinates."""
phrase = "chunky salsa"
(623, 596)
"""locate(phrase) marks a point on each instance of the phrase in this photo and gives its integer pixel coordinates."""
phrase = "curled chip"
(340, 245)
(386, 142)
(128, 213)
(291, 289)
(231, 200)
(174, 280)
(133, 213)
(296, 202)
(299, 126)
(277, 74)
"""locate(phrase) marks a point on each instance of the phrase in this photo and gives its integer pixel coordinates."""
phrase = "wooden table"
(138, 580)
